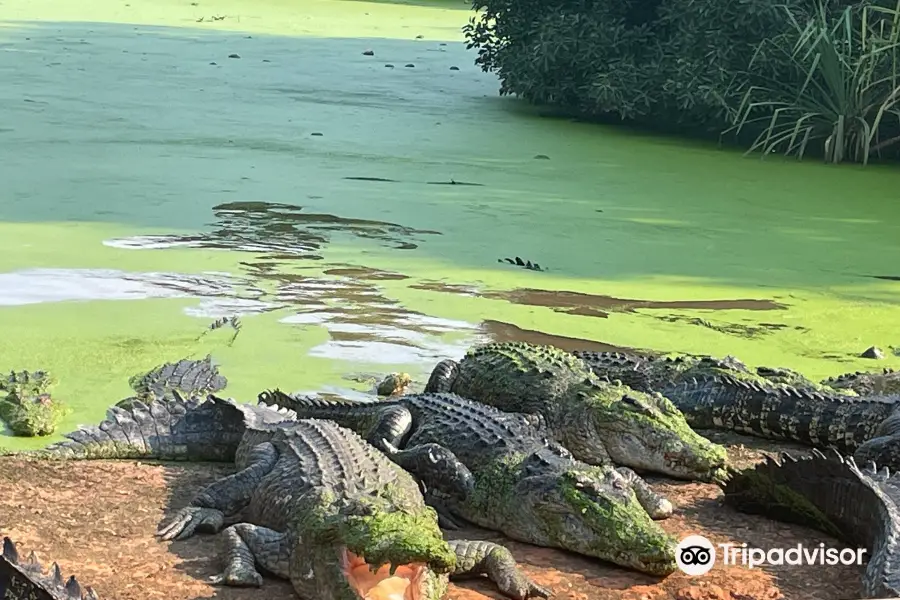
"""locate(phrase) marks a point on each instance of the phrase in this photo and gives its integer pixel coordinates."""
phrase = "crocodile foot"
(655, 504)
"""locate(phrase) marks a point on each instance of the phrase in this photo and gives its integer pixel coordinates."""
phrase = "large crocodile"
(26, 580)
(317, 504)
(724, 394)
(27, 406)
(864, 383)
(186, 377)
(497, 470)
(828, 492)
(598, 421)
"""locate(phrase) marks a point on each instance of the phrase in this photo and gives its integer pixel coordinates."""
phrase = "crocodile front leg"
(442, 377)
(227, 496)
(246, 546)
(474, 558)
(436, 466)
(655, 504)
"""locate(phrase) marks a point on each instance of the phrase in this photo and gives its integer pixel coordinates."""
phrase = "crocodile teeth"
(394, 569)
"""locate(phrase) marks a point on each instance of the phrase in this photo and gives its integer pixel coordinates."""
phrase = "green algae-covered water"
(304, 165)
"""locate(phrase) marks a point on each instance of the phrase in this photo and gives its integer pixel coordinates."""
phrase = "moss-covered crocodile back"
(189, 377)
(521, 377)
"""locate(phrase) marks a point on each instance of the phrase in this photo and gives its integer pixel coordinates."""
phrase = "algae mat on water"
(165, 163)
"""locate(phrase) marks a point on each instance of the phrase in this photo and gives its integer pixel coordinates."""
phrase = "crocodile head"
(648, 433)
(556, 501)
(26, 404)
(373, 549)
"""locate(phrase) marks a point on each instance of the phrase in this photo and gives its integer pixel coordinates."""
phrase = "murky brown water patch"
(747, 329)
(366, 273)
(450, 288)
(593, 305)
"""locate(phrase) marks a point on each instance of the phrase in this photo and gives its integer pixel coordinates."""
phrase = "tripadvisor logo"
(696, 555)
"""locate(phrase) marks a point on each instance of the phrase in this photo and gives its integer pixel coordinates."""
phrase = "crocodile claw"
(190, 519)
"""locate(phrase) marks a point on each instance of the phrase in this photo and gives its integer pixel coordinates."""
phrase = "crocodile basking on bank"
(186, 377)
(598, 421)
(724, 394)
(25, 579)
(318, 505)
(827, 492)
(27, 407)
(498, 471)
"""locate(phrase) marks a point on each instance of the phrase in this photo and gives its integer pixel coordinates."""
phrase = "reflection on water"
(364, 325)
(282, 230)
(32, 286)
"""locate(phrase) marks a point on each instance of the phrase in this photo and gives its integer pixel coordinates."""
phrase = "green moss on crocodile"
(598, 421)
(32, 417)
(494, 485)
(781, 501)
(654, 538)
(27, 408)
(619, 521)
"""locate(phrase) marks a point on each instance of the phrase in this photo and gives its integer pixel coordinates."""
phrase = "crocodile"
(187, 377)
(865, 383)
(830, 493)
(598, 421)
(310, 502)
(724, 394)
(498, 470)
(28, 408)
(26, 580)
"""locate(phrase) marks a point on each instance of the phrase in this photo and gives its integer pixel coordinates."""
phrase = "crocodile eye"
(636, 404)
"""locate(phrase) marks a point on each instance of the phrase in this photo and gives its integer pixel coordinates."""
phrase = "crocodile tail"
(25, 579)
(779, 411)
(192, 429)
(354, 414)
(829, 492)
(442, 377)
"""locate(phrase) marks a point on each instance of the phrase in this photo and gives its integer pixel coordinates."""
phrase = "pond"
(340, 175)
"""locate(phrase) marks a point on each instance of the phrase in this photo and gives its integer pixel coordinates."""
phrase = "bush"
(698, 66)
(841, 93)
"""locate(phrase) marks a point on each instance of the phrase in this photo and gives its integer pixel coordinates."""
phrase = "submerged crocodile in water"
(25, 579)
(27, 407)
(186, 377)
(832, 494)
(598, 421)
(724, 394)
(318, 505)
(498, 470)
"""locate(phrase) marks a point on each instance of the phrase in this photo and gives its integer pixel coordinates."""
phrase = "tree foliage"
(703, 66)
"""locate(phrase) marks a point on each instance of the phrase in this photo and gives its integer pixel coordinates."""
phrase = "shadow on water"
(278, 230)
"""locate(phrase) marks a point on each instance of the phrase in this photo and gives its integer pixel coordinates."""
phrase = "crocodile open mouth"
(404, 584)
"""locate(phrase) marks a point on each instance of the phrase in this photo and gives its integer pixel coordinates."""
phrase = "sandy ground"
(98, 518)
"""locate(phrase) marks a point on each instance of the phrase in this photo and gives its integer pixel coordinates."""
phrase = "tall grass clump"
(831, 85)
